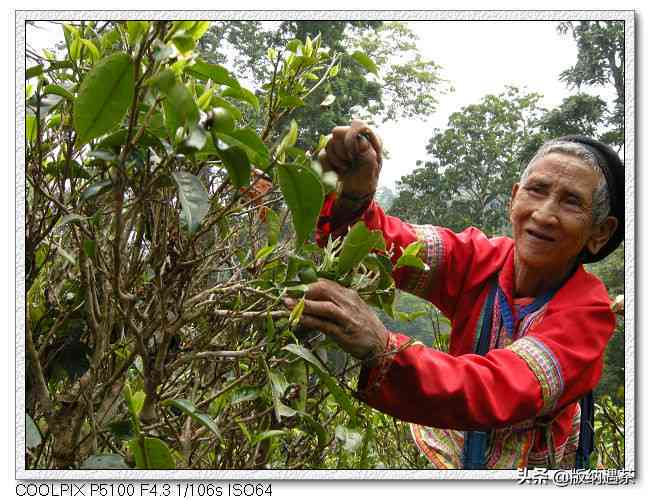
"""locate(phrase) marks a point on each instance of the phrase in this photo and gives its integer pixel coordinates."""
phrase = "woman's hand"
(341, 314)
(355, 154)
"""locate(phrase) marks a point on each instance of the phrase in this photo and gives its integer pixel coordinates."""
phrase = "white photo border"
(21, 17)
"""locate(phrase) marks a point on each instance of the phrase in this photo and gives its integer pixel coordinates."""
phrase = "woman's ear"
(515, 189)
(601, 234)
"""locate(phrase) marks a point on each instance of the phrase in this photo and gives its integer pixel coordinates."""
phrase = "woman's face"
(551, 214)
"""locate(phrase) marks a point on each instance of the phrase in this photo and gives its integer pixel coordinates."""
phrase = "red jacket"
(525, 390)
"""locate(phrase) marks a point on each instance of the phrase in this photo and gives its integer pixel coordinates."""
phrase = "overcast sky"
(477, 57)
(480, 58)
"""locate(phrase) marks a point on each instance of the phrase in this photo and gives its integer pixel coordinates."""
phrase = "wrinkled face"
(551, 213)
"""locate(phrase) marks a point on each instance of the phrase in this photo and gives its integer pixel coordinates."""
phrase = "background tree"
(581, 114)
(165, 223)
(600, 62)
(403, 84)
(472, 166)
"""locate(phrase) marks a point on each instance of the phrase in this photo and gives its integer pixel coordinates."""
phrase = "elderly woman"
(529, 324)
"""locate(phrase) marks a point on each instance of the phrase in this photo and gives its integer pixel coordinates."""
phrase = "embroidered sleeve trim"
(418, 282)
(543, 363)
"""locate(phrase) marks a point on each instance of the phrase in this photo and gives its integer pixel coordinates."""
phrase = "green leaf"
(409, 257)
(237, 164)
(278, 382)
(136, 403)
(198, 30)
(33, 71)
(317, 427)
(95, 190)
(264, 252)
(244, 95)
(289, 139)
(357, 244)
(382, 264)
(135, 30)
(54, 65)
(243, 394)
(122, 429)
(366, 62)
(89, 247)
(250, 142)
(303, 193)
(273, 227)
(368, 437)
(279, 385)
(32, 434)
(290, 101)
(266, 435)
(101, 462)
(305, 354)
(411, 261)
(92, 49)
(282, 410)
(99, 154)
(183, 42)
(296, 312)
(406, 317)
(308, 47)
(105, 95)
(155, 455)
(70, 218)
(339, 395)
(295, 264)
(205, 98)
(217, 101)
(294, 45)
(296, 291)
(180, 108)
(116, 140)
(194, 199)
(30, 127)
(187, 407)
(108, 39)
(58, 90)
(66, 255)
(215, 72)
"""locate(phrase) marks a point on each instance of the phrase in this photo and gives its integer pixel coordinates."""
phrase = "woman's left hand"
(345, 317)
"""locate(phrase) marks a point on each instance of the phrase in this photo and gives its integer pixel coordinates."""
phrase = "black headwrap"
(614, 171)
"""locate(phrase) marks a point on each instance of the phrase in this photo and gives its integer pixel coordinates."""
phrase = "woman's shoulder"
(583, 289)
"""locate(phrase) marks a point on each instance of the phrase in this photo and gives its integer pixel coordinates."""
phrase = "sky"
(476, 57)
(479, 58)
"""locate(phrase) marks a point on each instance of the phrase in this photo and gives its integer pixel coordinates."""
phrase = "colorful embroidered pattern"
(541, 360)
(565, 453)
(442, 447)
(530, 321)
(510, 448)
(419, 282)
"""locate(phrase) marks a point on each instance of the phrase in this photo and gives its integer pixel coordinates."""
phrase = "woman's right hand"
(355, 154)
